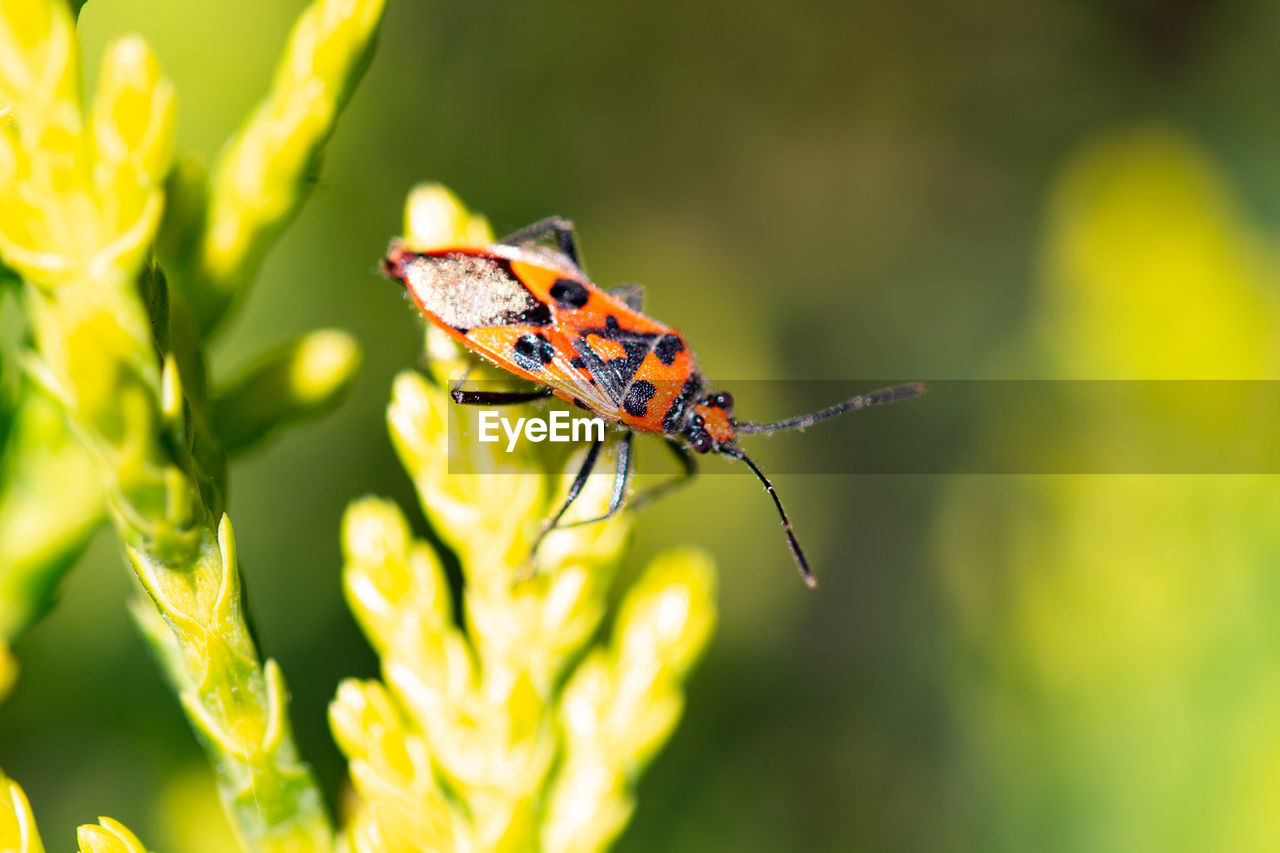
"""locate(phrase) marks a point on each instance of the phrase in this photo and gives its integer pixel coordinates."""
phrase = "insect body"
(525, 305)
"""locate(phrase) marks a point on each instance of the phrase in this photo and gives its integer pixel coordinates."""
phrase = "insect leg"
(689, 468)
(561, 229)
(496, 398)
(575, 489)
(492, 398)
(621, 480)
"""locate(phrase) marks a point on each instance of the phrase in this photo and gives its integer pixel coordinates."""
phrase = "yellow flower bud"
(108, 836)
(17, 825)
(297, 382)
(434, 218)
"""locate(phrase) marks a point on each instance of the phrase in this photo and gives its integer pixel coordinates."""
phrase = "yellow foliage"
(1117, 685)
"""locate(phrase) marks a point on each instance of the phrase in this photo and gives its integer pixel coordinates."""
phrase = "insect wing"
(642, 367)
(544, 355)
(539, 318)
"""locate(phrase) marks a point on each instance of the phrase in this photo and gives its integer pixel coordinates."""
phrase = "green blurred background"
(1031, 189)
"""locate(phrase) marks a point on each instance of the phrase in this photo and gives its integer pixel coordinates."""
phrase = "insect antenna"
(801, 563)
(875, 398)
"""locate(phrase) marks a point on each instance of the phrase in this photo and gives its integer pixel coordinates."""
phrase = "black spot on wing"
(624, 368)
(569, 294)
(537, 314)
(531, 352)
(668, 347)
(611, 324)
(615, 374)
(636, 403)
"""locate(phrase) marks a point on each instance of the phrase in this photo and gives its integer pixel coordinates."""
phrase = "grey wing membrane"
(631, 295)
(551, 239)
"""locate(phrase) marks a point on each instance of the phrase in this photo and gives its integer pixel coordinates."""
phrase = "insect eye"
(722, 400)
(696, 420)
(702, 442)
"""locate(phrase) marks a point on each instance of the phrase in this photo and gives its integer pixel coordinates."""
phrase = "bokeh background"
(833, 190)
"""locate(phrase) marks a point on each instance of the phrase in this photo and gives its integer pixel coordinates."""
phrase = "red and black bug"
(525, 305)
